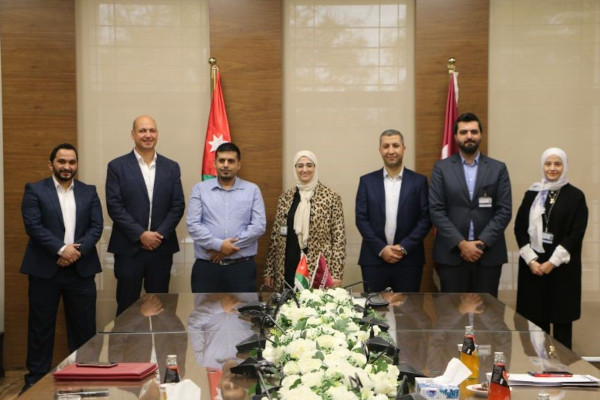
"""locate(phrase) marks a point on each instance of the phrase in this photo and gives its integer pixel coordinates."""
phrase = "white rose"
(383, 384)
(300, 347)
(312, 379)
(291, 368)
(341, 393)
(329, 342)
(300, 392)
(288, 381)
(309, 365)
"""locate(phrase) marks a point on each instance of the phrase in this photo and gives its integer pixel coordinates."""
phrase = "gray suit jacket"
(451, 210)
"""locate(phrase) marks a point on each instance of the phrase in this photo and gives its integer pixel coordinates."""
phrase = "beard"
(469, 148)
(60, 178)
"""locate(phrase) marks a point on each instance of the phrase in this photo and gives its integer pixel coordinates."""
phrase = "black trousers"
(147, 268)
(79, 299)
(208, 277)
(468, 277)
(403, 279)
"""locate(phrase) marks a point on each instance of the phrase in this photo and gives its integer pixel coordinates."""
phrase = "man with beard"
(225, 218)
(63, 218)
(470, 205)
(392, 216)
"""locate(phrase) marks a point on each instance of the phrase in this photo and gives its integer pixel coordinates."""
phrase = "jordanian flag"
(301, 280)
(217, 131)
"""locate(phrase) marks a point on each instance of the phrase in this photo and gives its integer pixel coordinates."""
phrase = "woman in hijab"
(309, 219)
(549, 228)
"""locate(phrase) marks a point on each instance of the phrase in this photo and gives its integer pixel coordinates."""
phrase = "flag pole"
(213, 73)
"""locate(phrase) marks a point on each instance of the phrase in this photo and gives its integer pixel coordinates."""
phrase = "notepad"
(575, 380)
(121, 372)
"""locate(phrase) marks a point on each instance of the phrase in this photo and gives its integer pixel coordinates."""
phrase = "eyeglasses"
(307, 165)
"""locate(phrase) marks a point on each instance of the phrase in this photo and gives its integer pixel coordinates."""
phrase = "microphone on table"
(370, 320)
(255, 308)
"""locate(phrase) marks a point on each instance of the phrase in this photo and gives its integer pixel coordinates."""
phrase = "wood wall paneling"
(245, 38)
(39, 111)
(39, 103)
(444, 29)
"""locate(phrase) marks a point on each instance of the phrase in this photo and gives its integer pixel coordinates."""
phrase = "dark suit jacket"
(45, 226)
(451, 209)
(128, 204)
(412, 224)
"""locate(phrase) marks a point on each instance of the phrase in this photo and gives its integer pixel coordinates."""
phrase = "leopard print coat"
(327, 234)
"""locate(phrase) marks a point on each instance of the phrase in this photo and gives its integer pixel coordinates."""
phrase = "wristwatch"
(403, 250)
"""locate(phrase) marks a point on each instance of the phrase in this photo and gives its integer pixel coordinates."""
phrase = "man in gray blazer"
(470, 205)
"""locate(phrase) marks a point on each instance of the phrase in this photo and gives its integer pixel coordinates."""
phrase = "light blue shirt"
(215, 214)
(471, 178)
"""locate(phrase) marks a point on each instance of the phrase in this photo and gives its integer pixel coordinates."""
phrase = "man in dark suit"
(470, 205)
(63, 218)
(145, 201)
(392, 215)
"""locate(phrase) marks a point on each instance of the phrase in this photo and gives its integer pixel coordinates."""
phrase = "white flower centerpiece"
(320, 351)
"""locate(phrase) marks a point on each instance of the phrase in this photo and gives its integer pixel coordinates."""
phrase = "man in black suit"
(392, 216)
(145, 200)
(63, 218)
(470, 204)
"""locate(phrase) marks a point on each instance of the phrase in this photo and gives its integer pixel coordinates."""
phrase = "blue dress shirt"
(215, 214)
(471, 178)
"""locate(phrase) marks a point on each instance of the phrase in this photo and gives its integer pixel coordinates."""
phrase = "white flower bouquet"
(320, 351)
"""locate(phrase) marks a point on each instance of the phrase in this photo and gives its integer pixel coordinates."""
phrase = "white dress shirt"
(149, 173)
(392, 198)
(66, 198)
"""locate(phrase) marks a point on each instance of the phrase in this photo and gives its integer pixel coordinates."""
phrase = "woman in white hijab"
(549, 228)
(309, 219)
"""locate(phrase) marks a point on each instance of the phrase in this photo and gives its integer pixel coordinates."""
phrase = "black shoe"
(25, 388)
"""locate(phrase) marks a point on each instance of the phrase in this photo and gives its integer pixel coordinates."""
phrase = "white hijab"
(536, 224)
(307, 190)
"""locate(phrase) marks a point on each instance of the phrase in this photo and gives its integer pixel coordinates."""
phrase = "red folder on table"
(120, 372)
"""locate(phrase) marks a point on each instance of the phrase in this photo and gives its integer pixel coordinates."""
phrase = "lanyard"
(553, 199)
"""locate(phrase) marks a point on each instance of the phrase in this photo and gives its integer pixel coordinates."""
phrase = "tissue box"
(431, 390)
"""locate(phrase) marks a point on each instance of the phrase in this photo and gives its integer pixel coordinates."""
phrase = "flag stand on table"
(217, 129)
(301, 278)
(321, 277)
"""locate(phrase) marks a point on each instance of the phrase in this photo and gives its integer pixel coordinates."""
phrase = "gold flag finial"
(451, 64)
(213, 72)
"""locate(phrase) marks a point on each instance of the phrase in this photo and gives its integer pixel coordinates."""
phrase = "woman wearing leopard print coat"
(309, 218)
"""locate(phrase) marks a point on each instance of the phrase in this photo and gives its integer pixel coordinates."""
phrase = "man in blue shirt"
(470, 205)
(225, 218)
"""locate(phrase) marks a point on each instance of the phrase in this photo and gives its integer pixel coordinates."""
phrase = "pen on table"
(86, 393)
(550, 374)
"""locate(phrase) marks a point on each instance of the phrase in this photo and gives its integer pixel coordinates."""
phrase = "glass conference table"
(428, 327)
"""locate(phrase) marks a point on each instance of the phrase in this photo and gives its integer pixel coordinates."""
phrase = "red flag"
(217, 130)
(449, 146)
(301, 279)
(321, 278)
